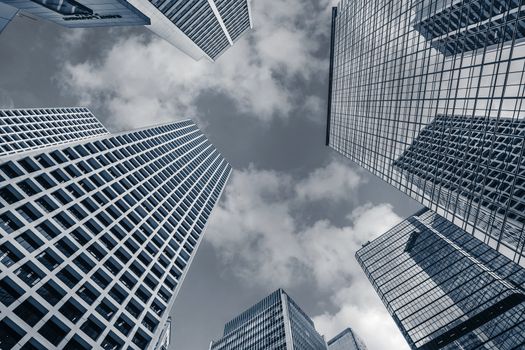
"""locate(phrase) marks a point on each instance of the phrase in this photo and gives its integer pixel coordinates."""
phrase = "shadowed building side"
(444, 288)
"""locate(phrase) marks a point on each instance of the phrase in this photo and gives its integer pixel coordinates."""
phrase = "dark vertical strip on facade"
(330, 75)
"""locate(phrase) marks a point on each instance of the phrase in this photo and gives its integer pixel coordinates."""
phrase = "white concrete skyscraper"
(199, 28)
(97, 230)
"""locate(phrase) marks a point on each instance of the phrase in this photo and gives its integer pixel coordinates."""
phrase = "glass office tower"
(199, 28)
(276, 322)
(346, 340)
(428, 95)
(96, 235)
(444, 288)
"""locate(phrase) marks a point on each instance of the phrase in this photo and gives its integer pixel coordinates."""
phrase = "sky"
(294, 212)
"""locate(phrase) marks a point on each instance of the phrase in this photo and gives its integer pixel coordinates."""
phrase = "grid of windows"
(197, 20)
(28, 129)
(82, 13)
(346, 340)
(480, 179)
(236, 16)
(444, 288)
(275, 322)
(405, 68)
(96, 236)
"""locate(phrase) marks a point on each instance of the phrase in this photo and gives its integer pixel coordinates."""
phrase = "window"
(134, 308)
(11, 170)
(49, 259)
(10, 335)
(150, 322)
(54, 330)
(29, 212)
(9, 254)
(29, 187)
(106, 309)
(118, 294)
(67, 247)
(88, 293)
(141, 339)
(72, 310)
(30, 311)
(92, 327)
(9, 222)
(47, 204)
(29, 273)
(124, 324)
(48, 230)
(51, 292)
(112, 342)
(9, 291)
(101, 278)
(84, 263)
(69, 276)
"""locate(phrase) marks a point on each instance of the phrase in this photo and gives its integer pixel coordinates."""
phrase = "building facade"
(82, 13)
(97, 234)
(440, 83)
(276, 322)
(444, 288)
(165, 337)
(199, 28)
(346, 340)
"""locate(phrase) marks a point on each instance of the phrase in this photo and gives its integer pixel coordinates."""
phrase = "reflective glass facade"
(444, 288)
(96, 236)
(439, 83)
(275, 323)
(346, 340)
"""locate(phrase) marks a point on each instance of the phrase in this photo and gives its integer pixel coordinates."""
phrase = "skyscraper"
(428, 95)
(165, 336)
(276, 322)
(444, 288)
(346, 340)
(199, 28)
(97, 234)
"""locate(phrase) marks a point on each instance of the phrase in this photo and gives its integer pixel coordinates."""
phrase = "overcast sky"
(294, 212)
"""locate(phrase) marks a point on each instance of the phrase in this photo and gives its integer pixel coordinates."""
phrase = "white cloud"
(255, 231)
(335, 182)
(5, 99)
(143, 79)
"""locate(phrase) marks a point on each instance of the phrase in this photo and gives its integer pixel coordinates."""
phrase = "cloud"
(5, 99)
(361, 309)
(141, 79)
(256, 232)
(335, 182)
